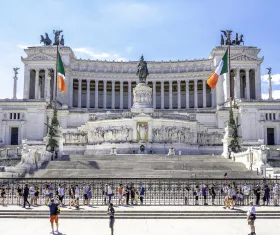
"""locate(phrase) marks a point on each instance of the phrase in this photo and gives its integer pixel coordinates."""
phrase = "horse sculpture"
(142, 70)
(238, 41)
(47, 41)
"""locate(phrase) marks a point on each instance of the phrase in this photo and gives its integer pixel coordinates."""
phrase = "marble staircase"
(143, 166)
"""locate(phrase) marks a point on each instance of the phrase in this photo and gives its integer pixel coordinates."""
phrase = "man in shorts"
(251, 217)
(54, 211)
(111, 213)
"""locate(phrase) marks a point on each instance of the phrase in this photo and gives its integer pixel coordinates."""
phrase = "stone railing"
(10, 152)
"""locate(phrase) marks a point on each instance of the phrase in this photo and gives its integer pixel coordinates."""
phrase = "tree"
(53, 130)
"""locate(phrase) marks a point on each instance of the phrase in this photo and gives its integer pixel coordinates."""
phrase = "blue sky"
(161, 30)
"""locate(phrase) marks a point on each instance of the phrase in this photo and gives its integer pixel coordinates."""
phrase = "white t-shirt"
(61, 191)
(77, 192)
(246, 190)
(276, 190)
(31, 190)
(109, 190)
(252, 210)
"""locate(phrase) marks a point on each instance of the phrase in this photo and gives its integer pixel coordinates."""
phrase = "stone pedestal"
(142, 99)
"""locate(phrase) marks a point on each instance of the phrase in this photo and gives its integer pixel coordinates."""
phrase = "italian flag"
(221, 69)
(60, 74)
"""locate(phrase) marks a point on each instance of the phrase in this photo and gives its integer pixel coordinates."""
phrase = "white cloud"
(275, 79)
(83, 52)
(275, 95)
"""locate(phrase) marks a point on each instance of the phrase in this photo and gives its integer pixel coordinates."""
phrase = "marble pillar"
(170, 95)
(121, 94)
(15, 87)
(96, 95)
(258, 82)
(204, 93)
(113, 94)
(247, 84)
(237, 84)
(26, 82)
(129, 94)
(154, 95)
(37, 84)
(162, 94)
(179, 94)
(104, 94)
(195, 94)
(187, 95)
(80, 94)
(88, 93)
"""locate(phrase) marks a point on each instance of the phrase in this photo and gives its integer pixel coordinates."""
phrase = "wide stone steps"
(98, 214)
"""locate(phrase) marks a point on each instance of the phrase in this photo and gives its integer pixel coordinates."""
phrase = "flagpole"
(56, 76)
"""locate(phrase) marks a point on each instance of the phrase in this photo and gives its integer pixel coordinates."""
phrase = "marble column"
(258, 83)
(129, 94)
(237, 84)
(96, 95)
(162, 95)
(204, 93)
(88, 93)
(26, 82)
(45, 84)
(179, 94)
(121, 94)
(71, 90)
(113, 94)
(187, 95)
(195, 94)
(247, 84)
(213, 98)
(37, 84)
(104, 94)
(80, 94)
(48, 86)
(154, 95)
(15, 87)
(170, 95)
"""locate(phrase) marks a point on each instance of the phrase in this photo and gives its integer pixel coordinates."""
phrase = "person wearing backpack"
(54, 212)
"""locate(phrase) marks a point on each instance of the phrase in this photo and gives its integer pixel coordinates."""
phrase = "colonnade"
(117, 94)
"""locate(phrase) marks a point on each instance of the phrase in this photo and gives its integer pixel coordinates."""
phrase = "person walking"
(36, 196)
(109, 193)
(246, 192)
(142, 193)
(111, 213)
(258, 195)
(25, 196)
(213, 194)
(85, 192)
(266, 196)
(89, 196)
(251, 217)
(19, 195)
(54, 212)
(276, 194)
(120, 194)
(32, 194)
(204, 194)
(61, 193)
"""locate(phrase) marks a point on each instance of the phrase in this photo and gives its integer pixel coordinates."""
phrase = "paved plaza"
(139, 227)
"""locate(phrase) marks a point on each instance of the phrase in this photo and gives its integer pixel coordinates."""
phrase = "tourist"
(51, 190)
(109, 193)
(61, 193)
(25, 196)
(54, 212)
(128, 191)
(77, 196)
(186, 195)
(229, 197)
(266, 196)
(276, 194)
(240, 198)
(204, 194)
(47, 195)
(246, 192)
(196, 193)
(251, 217)
(234, 195)
(3, 195)
(72, 197)
(142, 193)
(32, 194)
(213, 194)
(120, 194)
(89, 195)
(124, 195)
(19, 194)
(85, 192)
(36, 195)
(225, 190)
(136, 198)
(258, 195)
(111, 213)
(132, 193)
(105, 193)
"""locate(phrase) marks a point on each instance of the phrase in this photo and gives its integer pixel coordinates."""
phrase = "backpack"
(58, 210)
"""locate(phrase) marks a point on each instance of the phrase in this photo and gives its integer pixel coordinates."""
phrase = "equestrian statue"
(142, 70)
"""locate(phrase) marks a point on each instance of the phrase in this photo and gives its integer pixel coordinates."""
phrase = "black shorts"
(111, 222)
(60, 198)
(204, 196)
(85, 196)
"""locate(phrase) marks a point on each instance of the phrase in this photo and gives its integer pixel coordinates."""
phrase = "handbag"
(252, 217)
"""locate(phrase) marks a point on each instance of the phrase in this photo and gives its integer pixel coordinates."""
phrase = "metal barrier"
(157, 191)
